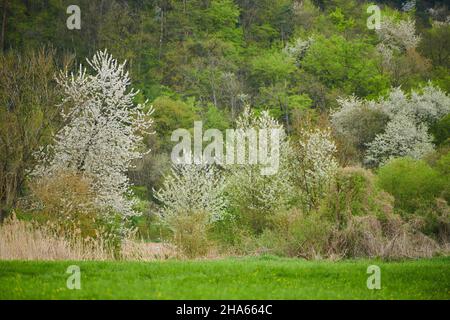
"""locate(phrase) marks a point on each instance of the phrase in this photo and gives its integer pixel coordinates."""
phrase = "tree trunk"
(3, 33)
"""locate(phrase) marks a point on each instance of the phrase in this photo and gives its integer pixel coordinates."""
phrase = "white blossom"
(398, 35)
(430, 105)
(409, 5)
(314, 165)
(427, 105)
(409, 115)
(402, 137)
(246, 186)
(192, 188)
(298, 49)
(103, 130)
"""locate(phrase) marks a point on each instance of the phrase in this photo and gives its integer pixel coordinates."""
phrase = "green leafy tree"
(347, 65)
(28, 116)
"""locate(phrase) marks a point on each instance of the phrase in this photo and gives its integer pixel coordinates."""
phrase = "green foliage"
(413, 183)
(441, 131)
(434, 46)
(28, 116)
(221, 18)
(271, 67)
(300, 101)
(433, 220)
(443, 164)
(170, 115)
(443, 167)
(346, 65)
(338, 19)
(294, 234)
(216, 118)
(354, 193)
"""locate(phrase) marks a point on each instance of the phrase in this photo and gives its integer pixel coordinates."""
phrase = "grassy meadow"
(233, 278)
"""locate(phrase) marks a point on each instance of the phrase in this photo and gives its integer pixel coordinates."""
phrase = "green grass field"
(246, 278)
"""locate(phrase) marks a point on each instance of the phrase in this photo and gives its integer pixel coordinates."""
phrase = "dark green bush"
(441, 131)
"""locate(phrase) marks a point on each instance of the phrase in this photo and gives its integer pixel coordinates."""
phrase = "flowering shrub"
(401, 122)
(191, 200)
(402, 137)
(103, 132)
(314, 165)
(192, 188)
(250, 192)
(358, 121)
(400, 35)
(427, 105)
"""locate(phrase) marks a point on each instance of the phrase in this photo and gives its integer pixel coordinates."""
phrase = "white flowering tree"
(397, 39)
(190, 189)
(358, 121)
(402, 137)
(314, 165)
(403, 121)
(427, 105)
(103, 131)
(398, 35)
(247, 189)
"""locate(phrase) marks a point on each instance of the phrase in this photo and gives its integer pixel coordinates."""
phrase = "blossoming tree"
(102, 132)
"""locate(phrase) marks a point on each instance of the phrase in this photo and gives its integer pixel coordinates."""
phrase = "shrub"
(190, 233)
(433, 219)
(313, 166)
(389, 238)
(443, 167)
(315, 236)
(231, 232)
(192, 199)
(363, 223)
(402, 137)
(354, 193)
(441, 130)
(413, 183)
(66, 204)
(295, 234)
(192, 188)
(358, 121)
(252, 196)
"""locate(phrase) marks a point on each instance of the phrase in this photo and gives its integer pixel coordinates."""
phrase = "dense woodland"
(364, 162)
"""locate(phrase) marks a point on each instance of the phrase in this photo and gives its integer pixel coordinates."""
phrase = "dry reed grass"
(23, 240)
(367, 236)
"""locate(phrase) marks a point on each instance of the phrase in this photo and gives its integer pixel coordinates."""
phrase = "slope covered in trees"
(362, 110)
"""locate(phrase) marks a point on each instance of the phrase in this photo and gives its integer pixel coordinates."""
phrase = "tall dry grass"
(23, 240)
(367, 236)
